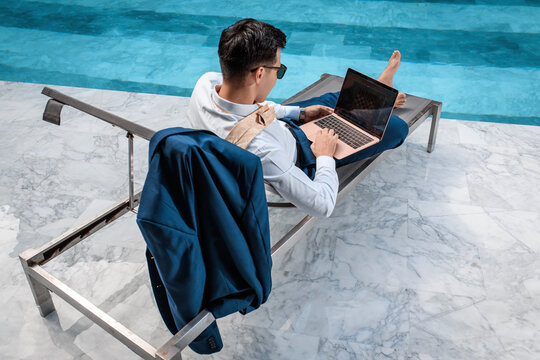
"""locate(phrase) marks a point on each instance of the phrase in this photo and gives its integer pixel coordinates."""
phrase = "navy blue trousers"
(395, 134)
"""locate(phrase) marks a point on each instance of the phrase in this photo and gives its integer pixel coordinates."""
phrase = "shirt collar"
(234, 108)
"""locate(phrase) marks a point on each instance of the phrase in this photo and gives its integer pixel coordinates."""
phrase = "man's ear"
(258, 74)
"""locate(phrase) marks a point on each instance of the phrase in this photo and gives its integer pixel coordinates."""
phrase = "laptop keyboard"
(347, 133)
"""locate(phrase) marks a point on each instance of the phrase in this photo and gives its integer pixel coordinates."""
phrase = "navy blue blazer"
(204, 217)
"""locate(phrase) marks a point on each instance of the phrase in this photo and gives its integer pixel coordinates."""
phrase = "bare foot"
(387, 76)
(400, 100)
(393, 64)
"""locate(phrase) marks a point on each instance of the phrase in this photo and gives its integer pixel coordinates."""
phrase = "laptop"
(361, 114)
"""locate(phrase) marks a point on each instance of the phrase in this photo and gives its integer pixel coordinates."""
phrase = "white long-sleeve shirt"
(275, 146)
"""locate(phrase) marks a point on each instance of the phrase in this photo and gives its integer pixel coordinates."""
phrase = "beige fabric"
(245, 130)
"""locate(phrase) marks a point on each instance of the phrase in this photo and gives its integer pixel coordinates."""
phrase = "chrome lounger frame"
(42, 283)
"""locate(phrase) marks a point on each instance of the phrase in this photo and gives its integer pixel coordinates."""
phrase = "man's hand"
(315, 112)
(325, 143)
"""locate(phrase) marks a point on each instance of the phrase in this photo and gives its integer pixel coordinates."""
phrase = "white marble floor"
(432, 256)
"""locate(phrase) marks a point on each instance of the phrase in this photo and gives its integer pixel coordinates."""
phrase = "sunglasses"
(280, 73)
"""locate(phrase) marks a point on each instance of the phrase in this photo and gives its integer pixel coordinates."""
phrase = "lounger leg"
(130, 167)
(436, 116)
(42, 295)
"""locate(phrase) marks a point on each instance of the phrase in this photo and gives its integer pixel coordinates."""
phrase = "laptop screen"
(366, 102)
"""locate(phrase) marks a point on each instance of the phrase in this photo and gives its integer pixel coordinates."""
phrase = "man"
(250, 58)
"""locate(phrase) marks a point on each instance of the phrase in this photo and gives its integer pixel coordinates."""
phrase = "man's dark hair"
(247, 44)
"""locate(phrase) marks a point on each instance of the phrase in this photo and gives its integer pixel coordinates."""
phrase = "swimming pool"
(481, 58)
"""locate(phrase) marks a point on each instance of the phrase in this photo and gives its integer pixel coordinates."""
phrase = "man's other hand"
(315, 112)
(325, 143)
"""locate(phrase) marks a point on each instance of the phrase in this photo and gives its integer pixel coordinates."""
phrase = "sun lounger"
(42, 282)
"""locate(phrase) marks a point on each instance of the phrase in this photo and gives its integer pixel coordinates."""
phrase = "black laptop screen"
(366, 103)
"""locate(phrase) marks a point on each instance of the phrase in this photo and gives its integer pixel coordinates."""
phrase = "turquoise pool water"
(481, 58)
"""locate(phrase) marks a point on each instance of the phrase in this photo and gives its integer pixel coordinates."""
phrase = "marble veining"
(432, 256)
